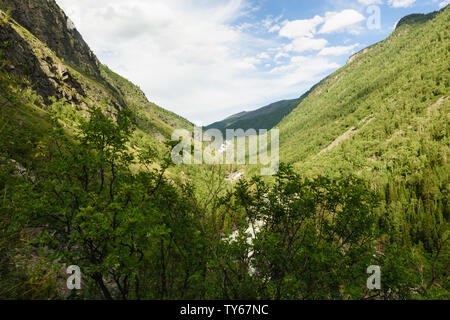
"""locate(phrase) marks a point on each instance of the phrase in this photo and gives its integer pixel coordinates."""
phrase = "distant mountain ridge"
(263, 118)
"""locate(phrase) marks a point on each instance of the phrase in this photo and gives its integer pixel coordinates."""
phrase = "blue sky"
(208, 59)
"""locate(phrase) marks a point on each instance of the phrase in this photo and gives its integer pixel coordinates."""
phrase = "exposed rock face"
(45, 20)
(39, 67)
(22, 61)
(42, 50)
(356, 55)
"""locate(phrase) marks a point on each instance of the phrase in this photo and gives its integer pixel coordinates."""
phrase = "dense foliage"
(137, 235)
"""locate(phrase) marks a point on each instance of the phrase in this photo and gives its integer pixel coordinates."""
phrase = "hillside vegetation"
(86, 179)
(59, 66)
(385, 117)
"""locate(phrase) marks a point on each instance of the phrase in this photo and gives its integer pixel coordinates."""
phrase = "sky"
(208, 59)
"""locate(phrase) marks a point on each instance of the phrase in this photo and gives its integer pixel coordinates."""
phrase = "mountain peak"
(416, 18)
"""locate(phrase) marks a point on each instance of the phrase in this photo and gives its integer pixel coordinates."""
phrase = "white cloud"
(281, 54)
(338, 50)
(275, 28)
(306, 44)
(188, 56)
(263, 56)
(370, 2)
(303, 32)
(340, 21)
(270, 23)
(247, 63)
(191, 57)
(300, 28)
(401, 3)
(301, 66)
(444, 4)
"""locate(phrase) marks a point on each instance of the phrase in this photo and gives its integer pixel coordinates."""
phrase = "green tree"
(92, 208)
(316, 237)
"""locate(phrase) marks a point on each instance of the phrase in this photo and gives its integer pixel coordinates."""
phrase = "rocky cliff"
(41, 48)
(47, 22)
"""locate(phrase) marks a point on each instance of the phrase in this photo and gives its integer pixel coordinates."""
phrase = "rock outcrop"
(42, 50)
(46, 21)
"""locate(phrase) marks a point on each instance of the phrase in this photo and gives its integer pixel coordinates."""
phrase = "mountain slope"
(385, 117)
(394, 82)
(53, 59)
